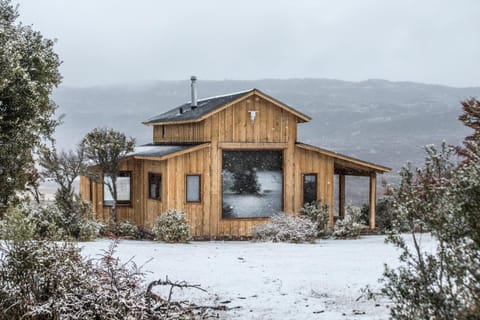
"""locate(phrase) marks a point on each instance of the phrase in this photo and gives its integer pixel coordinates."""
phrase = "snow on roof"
(157, 150)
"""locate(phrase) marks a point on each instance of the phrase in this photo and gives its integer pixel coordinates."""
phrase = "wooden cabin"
(229, 162)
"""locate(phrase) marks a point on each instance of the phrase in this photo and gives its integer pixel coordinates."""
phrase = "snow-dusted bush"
(350, 226)
(318, 213)
(172, 226)
(33, 221)
(16, 226)
(50, 280)
(124, 229)
(286, 228)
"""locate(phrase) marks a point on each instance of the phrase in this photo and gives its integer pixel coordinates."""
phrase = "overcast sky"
(113, 41)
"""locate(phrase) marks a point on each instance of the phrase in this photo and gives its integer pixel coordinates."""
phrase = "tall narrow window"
(164, 131)
(155, 186)
(309, 188)
(123, 189)
(193, 183)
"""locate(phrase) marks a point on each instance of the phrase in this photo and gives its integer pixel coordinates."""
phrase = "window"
(123, 189)
(193, 183)
(309, 187)
(252, 183)
(164, 131)
(155, 186)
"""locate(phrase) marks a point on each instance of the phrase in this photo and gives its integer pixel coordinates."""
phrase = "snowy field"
(271, 280)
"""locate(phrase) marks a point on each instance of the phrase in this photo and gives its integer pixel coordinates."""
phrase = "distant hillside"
(376, 120)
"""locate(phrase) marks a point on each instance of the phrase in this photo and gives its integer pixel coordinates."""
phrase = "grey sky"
(112, 41)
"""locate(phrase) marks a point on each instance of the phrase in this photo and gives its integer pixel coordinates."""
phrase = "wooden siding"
(231, 128)
(271, 125)
(179, 133)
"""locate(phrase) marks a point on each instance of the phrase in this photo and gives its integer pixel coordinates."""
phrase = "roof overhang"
(347, 165)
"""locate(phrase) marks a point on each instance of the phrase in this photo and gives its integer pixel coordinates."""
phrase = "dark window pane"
(154, 186)
(309, 188)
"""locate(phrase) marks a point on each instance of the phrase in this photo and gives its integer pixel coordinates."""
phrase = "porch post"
(341, 196)
(373, 199)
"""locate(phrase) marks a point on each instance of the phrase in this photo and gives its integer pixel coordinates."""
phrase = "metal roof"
(185, 112)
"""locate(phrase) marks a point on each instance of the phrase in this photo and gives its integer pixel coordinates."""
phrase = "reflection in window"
(309, 188)
(193, 188)
(155, 186)
(252, 183)
(123, 189)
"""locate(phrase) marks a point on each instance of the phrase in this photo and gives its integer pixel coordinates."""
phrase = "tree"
(28, 74)
(442, 198)
(246, 182)
(64, 167)
(106, 148)
(471, 118)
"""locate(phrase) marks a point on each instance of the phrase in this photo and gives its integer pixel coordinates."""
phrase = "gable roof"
(208, 106)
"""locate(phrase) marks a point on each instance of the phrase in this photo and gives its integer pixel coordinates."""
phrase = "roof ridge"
(224, 95)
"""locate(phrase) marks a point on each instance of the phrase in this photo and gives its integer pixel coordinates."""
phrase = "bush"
(383, 214)
(32, 221)
(48, 281)
(319, 214)
(124, 229)
(172, 226)
(15, 226)
(350, 226)
(444, 198)
(286, 228)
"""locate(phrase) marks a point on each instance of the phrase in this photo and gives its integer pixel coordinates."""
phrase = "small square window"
(193, 183)
(155, 186)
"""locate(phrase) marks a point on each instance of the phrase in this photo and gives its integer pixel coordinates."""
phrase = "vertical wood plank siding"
(272, 124)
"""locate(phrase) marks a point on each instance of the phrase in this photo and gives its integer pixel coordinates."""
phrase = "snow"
(271, 280)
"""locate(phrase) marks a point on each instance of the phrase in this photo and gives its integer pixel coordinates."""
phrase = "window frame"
(199, 188)
(158, 184)
(303, 186)
(119, 202)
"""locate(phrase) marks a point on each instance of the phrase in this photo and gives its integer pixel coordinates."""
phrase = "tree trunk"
(114, 196)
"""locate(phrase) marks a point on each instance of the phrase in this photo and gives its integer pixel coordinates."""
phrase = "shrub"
(317, 213)
(124, 229)
(172, 226)
(16, 226)
(32, 221)
(444, 198)
(383, 214)
(286, 228)
(349, 227)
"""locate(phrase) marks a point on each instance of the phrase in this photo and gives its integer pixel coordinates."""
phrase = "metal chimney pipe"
(193, 103)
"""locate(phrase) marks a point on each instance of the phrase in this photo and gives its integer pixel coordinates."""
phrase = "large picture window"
(309, 188)
(193, 183)
(252, 183)
(155, 186)
(123, 189)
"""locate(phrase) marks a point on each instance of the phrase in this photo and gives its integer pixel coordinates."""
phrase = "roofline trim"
(339, 156)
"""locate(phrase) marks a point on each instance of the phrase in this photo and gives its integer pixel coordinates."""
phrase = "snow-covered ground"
(271, 280)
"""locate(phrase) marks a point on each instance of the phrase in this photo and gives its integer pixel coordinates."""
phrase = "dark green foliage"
(319, 214)
(383, 216)
(246, 182)
(106, 148)
(28, 74)
(443, 199)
